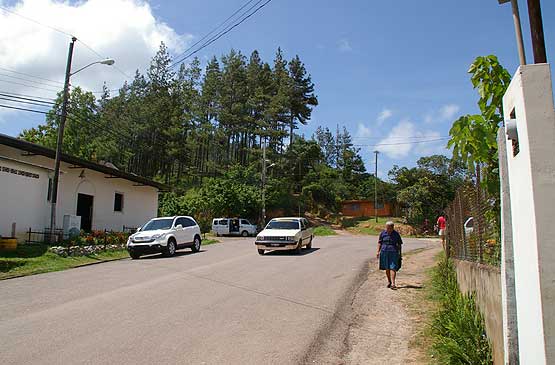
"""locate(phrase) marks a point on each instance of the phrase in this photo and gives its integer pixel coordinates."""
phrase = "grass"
(35, 259)
(324, 231)
(209, 241)
(457, 329)
(367, 225)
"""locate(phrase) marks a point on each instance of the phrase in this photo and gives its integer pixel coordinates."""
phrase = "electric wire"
(27, 80)
(23, 109)
(46, 103)
(213, 30)
(27, 85)
(27, 95)
(32, 76)
(222, 33)
(23, 102)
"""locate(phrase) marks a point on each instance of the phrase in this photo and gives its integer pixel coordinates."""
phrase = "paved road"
(224, 305)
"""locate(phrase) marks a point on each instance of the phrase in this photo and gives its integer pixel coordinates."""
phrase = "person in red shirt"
(442, 228)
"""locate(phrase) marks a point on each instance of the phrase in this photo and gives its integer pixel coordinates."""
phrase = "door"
(306, 231)
(180, 234)
(85, 210)
(189, 230)
(234, 226)
(246, 226)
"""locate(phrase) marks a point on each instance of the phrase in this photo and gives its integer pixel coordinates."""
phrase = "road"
(223, 305)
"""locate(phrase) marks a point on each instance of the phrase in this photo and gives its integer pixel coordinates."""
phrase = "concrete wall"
(531, 170)
(485, 282)
(23, 199)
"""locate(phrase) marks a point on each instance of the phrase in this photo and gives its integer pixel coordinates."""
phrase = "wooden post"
(536, 31)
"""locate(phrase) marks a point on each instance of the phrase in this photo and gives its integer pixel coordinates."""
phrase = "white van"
(233, 227)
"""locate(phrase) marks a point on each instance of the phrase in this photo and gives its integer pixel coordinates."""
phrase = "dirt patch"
(383, 326)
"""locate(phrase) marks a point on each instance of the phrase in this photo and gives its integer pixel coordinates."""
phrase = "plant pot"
(8, 244)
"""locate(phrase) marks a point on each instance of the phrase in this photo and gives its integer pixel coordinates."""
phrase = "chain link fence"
(473, 226)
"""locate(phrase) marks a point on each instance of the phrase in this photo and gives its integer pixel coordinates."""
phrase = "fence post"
(479, 215)
(29, 234)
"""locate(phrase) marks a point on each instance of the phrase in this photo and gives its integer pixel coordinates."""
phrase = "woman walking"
(389, 253)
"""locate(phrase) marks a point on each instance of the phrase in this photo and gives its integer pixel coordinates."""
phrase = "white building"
(104, 197)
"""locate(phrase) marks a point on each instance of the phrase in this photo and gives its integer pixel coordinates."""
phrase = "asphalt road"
(223, 305)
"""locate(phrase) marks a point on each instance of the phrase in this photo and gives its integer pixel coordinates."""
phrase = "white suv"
(285, 234)
(165, 235)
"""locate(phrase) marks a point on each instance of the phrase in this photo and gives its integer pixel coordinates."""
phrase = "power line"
(27, 95)
(35, 21)
(27, 85)
(65, 33)
(24, 98)
(23, 102)
(223, 32)
(401, 143)
(408, 137)
(213, 30)
(27, 80)
(24, 109)
(32, 76)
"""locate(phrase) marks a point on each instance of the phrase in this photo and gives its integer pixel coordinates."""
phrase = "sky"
(391, 72)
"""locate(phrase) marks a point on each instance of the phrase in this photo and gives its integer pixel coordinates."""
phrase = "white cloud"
(344, 45)
(403, 139)
(384, 115)
(363, 131)
(447, 112)
(125, 30)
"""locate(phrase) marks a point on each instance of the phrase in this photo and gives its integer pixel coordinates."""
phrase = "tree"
(302, 95)
(474, 137)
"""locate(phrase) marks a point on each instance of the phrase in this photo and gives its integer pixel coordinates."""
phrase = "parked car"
(285, 234)
(233, 227)
(165, 235)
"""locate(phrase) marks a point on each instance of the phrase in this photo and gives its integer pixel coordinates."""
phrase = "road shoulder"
(379, 325)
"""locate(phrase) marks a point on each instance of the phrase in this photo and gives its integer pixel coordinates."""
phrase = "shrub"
(457, 327)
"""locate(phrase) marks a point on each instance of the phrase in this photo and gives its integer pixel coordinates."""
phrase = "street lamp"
(61, 126)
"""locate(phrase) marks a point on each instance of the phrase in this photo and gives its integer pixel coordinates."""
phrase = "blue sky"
(391, 71)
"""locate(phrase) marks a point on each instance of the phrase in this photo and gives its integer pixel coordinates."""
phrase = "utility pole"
(264, 183)
(60, 141)
(376, 187)
(536, 30)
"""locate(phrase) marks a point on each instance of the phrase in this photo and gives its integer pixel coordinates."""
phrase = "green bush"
(324, 231)
(457, 327)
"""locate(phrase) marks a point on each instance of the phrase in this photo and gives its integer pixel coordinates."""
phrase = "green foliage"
(324, 231)
(425, 190)
(457, 327)
(474, 137)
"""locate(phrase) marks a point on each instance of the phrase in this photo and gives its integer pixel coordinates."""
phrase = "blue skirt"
(390, 260)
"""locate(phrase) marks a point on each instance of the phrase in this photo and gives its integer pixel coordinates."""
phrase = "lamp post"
(518, 30)
(376, 187)
(264, 170)
(61, 126)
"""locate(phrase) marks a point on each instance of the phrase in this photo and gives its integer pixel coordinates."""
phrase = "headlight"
(158, 236)
(260, 238)
(290, 238)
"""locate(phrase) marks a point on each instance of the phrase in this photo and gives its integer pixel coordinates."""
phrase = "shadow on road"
(305, 251)
(409, 286)
(177, 254)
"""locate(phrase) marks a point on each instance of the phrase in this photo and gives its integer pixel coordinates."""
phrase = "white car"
(285, 234)
(233, 226)
(165, 235)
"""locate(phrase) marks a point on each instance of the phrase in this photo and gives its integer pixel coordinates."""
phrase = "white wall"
(24, 200)
(532, 190)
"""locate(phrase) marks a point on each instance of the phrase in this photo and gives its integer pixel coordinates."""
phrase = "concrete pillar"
(510, 322)
(531, 171)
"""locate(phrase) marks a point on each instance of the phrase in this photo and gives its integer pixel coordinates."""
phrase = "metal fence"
(59, 238)
(473, 226)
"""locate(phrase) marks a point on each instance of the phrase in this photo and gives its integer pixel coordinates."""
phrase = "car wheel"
(260, 251)
(170, 248)
(135, 256)
(309, 246)
(245, 234)
(196, 244)
(299, 248)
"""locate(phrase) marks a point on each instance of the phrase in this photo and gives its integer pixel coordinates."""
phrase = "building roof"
(50, 153)
(356, 201)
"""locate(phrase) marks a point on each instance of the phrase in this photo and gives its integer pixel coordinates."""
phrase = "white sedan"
(285, 234)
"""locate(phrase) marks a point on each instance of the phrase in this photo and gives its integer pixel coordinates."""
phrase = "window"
(379, 205)
(49, 194)
(246, 222)
(181, 221)
(355, 207)
(188, 222)
(118, 202)
(223, 222)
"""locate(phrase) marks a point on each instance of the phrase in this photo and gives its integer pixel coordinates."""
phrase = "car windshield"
(155, 224)
(283, 225)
